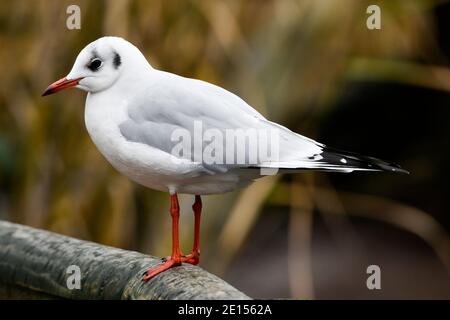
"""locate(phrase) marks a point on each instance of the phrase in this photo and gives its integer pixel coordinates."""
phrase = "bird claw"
(170, 262)
(152, 272)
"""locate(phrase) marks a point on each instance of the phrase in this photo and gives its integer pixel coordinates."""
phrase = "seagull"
(137, 116)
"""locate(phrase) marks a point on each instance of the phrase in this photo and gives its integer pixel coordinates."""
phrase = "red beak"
(59, 85)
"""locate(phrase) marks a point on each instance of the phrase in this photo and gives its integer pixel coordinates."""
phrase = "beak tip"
(60, 85)
(48, 91)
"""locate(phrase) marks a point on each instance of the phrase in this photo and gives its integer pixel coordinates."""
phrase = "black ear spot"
(117, 60)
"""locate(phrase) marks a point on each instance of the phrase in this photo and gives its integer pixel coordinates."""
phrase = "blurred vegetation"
(291, 60)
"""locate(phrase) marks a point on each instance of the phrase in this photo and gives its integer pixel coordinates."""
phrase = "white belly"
(146, 165)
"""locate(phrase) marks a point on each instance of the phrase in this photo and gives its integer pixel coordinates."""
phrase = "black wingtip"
(358, 161)
(398, 169)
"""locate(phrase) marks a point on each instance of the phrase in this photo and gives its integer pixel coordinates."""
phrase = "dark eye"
(95, 64)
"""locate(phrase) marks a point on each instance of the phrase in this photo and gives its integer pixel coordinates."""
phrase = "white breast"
(141, 163)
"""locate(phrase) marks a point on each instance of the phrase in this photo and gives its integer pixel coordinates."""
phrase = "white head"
(101, 64)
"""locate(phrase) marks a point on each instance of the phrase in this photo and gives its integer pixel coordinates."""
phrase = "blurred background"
(311, 65)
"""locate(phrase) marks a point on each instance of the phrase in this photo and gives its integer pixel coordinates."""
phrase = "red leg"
(176, 258)
(194, 257)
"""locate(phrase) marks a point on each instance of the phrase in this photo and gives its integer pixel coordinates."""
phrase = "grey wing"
(167, 115)
(176, 109)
